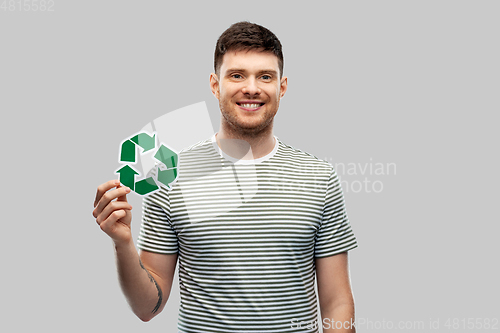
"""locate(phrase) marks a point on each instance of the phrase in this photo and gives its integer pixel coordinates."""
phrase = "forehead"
(251, 60)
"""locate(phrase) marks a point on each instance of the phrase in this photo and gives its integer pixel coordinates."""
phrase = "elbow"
(143, 311)
(145, 317)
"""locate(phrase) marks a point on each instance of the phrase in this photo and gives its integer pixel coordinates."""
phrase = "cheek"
(277, 96)
(225, 93)
(277, 93)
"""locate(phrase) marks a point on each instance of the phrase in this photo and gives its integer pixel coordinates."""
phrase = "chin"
(251, 128)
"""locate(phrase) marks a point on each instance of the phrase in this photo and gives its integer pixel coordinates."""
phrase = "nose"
(251, 87)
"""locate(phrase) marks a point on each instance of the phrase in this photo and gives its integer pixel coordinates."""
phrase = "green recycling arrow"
(167, 176)
(127, 176)
(143, 140)
(165, 155)
(145, 186)
(127, 152)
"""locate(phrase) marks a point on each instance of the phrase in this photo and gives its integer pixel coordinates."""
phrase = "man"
(251, 220)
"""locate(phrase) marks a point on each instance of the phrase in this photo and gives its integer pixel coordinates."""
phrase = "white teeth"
(253, 106)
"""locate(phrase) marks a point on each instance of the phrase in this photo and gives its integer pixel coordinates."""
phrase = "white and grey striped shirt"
(247, 233)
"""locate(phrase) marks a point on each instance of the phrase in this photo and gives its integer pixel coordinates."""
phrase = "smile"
(250, 106)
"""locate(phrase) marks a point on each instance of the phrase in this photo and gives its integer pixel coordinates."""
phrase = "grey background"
(414, 83)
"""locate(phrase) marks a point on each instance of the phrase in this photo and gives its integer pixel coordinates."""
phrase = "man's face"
(249, 90)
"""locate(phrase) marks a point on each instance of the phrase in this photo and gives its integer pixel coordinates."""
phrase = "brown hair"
(244, 36)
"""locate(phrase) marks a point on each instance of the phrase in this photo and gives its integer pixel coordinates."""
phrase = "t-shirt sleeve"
(335, 234)
(157, 233)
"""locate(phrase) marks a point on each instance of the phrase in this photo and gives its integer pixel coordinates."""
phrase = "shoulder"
(296, 157)
(198, 155)
(205, 145)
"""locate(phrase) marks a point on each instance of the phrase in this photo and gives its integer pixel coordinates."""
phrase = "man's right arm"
(145, 278)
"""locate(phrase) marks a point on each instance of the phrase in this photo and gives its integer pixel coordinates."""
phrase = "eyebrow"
(270, 71)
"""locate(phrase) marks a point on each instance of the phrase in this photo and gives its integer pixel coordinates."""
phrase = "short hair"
(245, 36)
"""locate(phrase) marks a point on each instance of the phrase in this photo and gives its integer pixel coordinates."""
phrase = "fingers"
(123, 197)
(109, 224)
(112, 207)
(103, 188)
(104, 196)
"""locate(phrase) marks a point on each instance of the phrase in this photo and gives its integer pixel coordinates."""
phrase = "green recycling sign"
(166, 172)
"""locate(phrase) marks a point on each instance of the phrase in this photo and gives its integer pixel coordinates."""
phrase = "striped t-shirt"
(246, 233)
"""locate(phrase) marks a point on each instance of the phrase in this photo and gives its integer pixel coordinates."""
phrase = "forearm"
(142, 291)
(339, 318)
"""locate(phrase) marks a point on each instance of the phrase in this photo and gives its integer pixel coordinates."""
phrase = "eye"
(236, 76)
(266, 77)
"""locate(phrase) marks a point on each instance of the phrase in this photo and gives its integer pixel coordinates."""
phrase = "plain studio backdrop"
(399, 96)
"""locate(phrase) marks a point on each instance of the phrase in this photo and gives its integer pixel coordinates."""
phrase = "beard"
(252, 126)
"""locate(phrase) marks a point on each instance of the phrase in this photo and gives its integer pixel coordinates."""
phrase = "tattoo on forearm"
(160, 293)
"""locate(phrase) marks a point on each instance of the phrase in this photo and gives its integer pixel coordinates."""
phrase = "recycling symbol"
(166, 172)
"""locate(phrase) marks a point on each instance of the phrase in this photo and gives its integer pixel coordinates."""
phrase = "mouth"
(250, 105)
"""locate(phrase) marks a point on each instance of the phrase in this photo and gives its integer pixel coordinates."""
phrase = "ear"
(214, 85)
(283, 86)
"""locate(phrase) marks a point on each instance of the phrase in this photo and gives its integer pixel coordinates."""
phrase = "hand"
(114, 217)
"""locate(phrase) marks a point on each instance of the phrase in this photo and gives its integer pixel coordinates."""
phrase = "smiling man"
(251, 220)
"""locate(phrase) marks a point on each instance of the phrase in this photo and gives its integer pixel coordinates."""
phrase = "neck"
(246, 146)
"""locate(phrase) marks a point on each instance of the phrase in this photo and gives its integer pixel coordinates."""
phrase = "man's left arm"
(335, 294)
